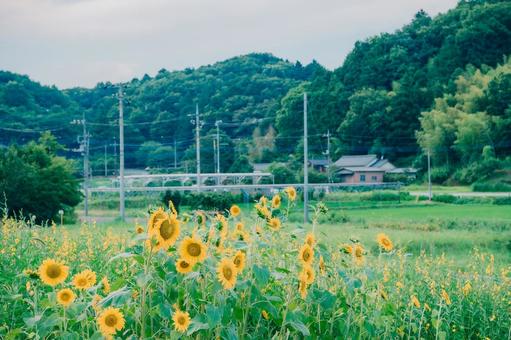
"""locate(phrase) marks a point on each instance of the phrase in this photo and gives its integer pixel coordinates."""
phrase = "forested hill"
(374, 102)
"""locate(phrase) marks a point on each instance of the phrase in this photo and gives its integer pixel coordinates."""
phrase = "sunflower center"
(306, 255)
(181, 320)
(184, 264)
(65, 296)
(82, 281)
(227, 271)
(194, 249)
(53, 271)
(166, 229)
(111, 320)
(386, 242)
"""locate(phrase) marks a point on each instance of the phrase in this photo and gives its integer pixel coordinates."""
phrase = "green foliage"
(35, 181)
(210, 200)
(282, 174)
(440, 175)
(491, 187)
(444, 198)
(478, 171)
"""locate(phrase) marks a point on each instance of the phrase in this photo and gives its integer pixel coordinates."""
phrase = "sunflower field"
(234, 275)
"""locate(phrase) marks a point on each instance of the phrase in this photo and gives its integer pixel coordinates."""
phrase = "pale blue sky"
(81, 42)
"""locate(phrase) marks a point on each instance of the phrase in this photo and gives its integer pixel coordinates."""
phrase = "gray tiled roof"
(356, 161)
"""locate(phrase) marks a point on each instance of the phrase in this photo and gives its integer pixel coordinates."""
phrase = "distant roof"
(356, 160)
(260, 166)
(318, 161)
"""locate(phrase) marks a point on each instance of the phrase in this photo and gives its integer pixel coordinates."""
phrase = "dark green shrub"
(282, 174)
(477, 171)
(211, 200)
(491, 187)
(502, 200)
(440, 175)
(444, 198)
(175, 196)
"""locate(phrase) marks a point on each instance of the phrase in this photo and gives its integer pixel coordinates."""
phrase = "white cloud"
(81, 42)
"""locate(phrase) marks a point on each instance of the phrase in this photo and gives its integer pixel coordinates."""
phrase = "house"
(363, 168)
(320, 165)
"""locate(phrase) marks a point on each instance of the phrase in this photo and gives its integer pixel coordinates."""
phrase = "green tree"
(35, 181)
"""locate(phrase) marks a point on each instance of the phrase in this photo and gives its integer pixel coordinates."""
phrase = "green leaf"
(198, 323)
(165, 310)
(299, 326)
(120, 256)
(30, 322)
(214, 315)
(262, 275)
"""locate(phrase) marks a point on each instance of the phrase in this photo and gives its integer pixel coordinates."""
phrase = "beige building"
(363, 168)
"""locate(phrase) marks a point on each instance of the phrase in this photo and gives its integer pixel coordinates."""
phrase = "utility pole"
(305, 165)
(197, 144)
(175, 153)
(86, 167)
(121, 155)
(217, 124)
(214, 156)
(84, 150)
(327, 153)
(115, 156)
(106, 164)
(430, 194)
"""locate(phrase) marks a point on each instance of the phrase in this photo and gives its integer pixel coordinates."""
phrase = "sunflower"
(310, 239)
(322, 266)
(183, 267)
(446, 297)
(226, 272)
(415, 301)
(239, 226)
(84, 279)
(239, 260)
(307, 274)
(275, 201)
(192, 250)
(263, 211)
(466, 288)
(139, 229)
(265, 314)
(201, 218)
(291, 193)
(96, 299)
(65, 297)
(241, 235)
(383, 294)
(53, 272)
(306, 255)
(274, 223)
(157, 215)
(384, 242)
(166, 231)
(106, 285)
(110, 321)
(263, 201)
(181, 321)
(235, 210)
(358, 253)
(347, 249)
(302, 288)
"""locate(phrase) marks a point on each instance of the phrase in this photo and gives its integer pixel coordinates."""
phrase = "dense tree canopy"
(34, 181)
